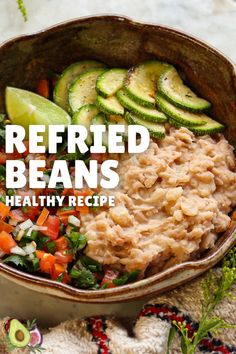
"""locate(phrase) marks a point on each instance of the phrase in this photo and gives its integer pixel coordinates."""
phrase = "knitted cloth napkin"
(148, 334)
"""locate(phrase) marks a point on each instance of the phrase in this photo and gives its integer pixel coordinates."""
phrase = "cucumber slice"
(211, 127)
(180, 115)
(176, 124)
(171, 86)
(141, 82)
(60, 93)
(82, 91)
(84, 117)
(100, 119)
(114, 119)
(110, 82)
(110, 105)
(149, 114)
(155, 130)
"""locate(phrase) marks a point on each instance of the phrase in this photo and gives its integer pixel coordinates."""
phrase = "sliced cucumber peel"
(110, 82)
(149, 114)
(211, 127)
(85, 117)
(182, 116)
(60, 92)
(82, 91)
(141, 82)
(155, 130)
(110, 105)
(171, 86)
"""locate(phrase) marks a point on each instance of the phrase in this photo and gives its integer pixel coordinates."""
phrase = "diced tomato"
(109, 276)
(42, 88)
(62, 243)
(6, 242)
(4, 210)
(3, 158)
(47, 261)
(14, 155)
(64, 257)
(6, 227)
(53, 227)
(67, 191)
(31, 212)
(10, 156)
(26, 143)
(59, 270)
(18, 215)
(99, 157)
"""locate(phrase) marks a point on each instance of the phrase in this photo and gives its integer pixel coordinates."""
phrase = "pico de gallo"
(46, 241)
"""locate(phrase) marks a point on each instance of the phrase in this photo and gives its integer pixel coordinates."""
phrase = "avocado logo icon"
(18, 334)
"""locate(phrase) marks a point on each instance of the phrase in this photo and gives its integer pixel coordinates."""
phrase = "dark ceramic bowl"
(119, 41)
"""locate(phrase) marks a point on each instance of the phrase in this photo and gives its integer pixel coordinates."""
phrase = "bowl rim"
(121, 18)
(224, 243)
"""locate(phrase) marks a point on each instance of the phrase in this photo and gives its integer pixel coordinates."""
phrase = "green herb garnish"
(51, 247)
(83, 278)
(69, 157)
(3, 198)
(61, 278)
(126, 278)
(25, 209)
(30, 265)
(22, 8)
(77, 241)
(10, 192)
(41, 241)
(215, 289)
(2, 173)
(105, 285)
(91, 264)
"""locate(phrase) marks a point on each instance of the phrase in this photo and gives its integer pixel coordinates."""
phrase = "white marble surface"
(213, 21)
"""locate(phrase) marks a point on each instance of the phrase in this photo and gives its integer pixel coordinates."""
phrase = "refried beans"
(172, 201)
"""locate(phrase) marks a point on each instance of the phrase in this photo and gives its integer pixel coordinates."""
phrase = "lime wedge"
(27, 108)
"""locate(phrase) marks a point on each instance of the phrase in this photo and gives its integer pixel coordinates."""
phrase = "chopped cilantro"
(91, 264)
(127, 278)
(83, 278)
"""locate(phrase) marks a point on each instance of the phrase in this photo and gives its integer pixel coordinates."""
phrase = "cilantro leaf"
(77, 241)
